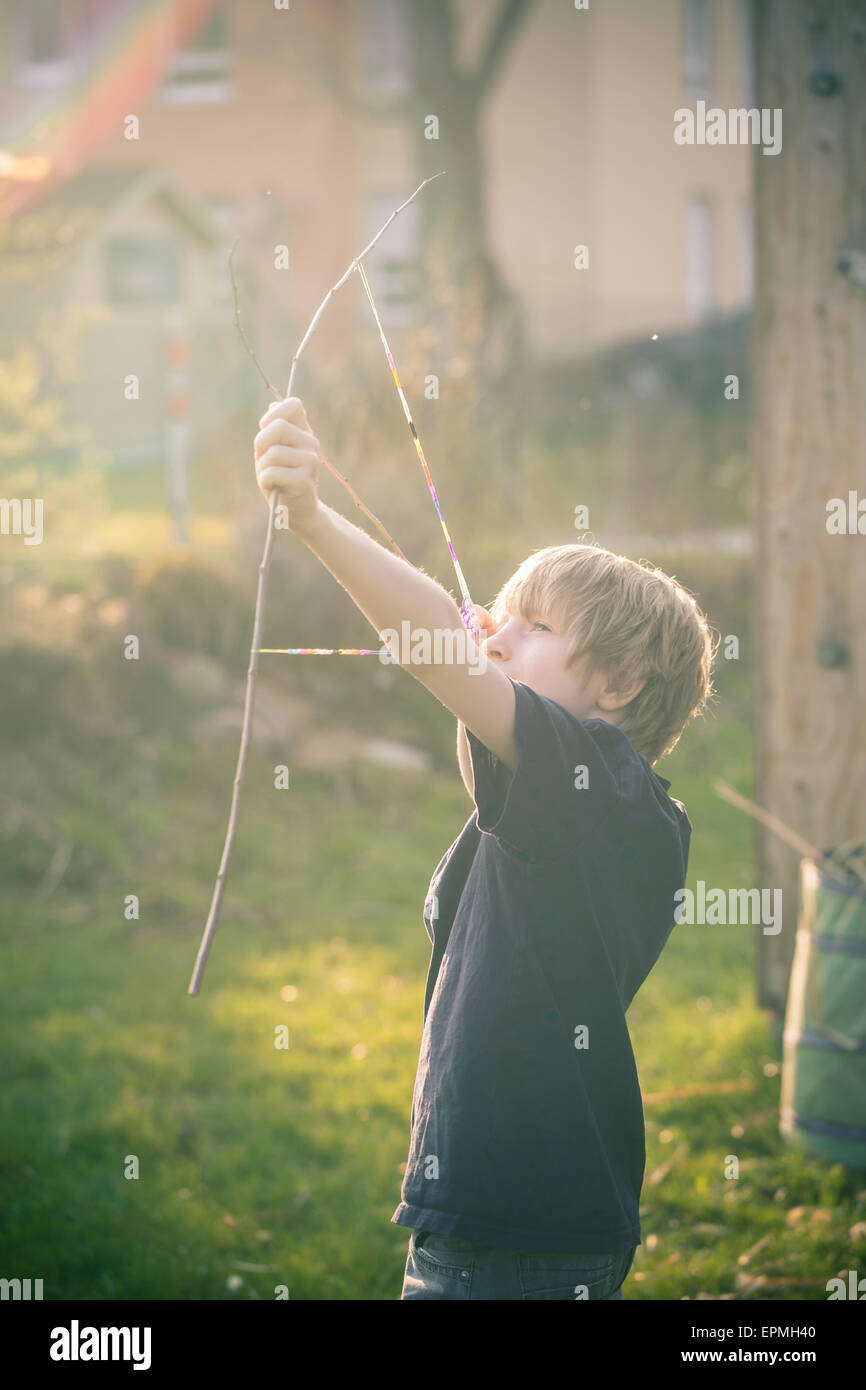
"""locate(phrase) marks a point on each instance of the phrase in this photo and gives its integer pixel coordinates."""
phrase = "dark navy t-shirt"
(546, 915)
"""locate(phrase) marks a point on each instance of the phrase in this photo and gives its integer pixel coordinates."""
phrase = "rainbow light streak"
(120, 59)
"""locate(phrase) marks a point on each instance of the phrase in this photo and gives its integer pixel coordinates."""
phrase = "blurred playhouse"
(127, 257)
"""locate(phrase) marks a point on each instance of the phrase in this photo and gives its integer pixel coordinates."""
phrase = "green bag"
(823, 1099)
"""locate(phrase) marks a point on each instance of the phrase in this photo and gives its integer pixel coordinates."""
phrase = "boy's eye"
(541, 624)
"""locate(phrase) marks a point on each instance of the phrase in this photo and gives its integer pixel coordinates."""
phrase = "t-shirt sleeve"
(564, 788)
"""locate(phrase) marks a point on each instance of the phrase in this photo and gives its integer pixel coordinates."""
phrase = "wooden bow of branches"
(252, 671)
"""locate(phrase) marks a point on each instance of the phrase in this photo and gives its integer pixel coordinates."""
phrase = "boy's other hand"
(286, 456)
(484, 620)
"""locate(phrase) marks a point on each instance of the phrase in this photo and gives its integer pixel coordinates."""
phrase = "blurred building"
(283, 127)
(579, 139)
(125, 258)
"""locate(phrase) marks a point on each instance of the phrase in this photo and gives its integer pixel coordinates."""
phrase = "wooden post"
(809, 443)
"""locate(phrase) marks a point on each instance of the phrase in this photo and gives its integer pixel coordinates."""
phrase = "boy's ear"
(615, 699)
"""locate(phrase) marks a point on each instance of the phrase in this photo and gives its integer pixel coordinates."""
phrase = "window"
(201, 72)
(696, 47)
(46, 39)
(393, 265)
(144, 273)
(384, 49)
(699, 258)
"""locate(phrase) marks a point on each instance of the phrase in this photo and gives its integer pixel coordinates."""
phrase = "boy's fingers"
(483, 617)
(284, 456)
(279, 431)
(291, 409)
(270, 478)
(269, 412)
(275, 476)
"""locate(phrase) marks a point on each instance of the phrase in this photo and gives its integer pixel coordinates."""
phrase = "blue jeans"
(447, 1267)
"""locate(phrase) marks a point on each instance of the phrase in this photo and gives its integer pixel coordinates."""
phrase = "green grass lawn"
(260, 1167)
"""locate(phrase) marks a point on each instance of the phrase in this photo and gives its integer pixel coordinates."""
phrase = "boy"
(550, 908)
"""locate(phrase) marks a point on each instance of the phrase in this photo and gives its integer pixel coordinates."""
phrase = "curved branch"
(252, 671)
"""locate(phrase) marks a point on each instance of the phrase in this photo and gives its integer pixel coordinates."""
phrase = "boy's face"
(533, 650)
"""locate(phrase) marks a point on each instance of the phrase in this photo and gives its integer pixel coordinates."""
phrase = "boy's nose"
(496, 648)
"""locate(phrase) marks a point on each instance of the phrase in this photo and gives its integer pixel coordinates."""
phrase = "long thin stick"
(239, 326)
(832, 859)
(250, 694)
(768, 819)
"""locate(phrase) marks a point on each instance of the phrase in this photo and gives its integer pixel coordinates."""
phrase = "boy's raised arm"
(389, 591)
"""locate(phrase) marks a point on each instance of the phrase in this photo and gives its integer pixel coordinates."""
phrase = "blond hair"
(632, 621)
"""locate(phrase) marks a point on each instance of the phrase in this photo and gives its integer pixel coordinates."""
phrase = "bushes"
(190, 606)
(68, 773)
(83, 730)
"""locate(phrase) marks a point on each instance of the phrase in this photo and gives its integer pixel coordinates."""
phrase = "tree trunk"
(476, 322)
(809, 363)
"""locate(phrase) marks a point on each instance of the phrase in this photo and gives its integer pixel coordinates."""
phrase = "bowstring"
(467, 608)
